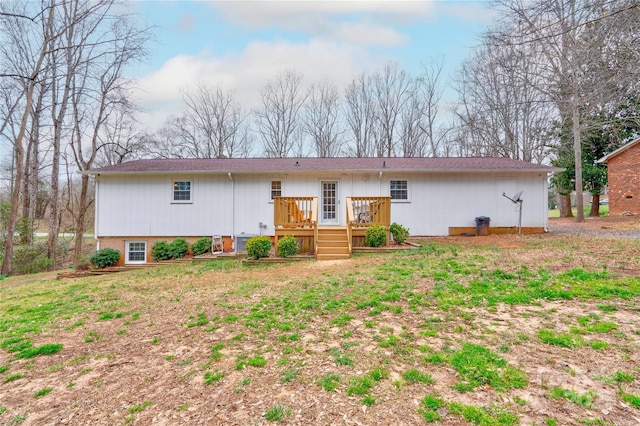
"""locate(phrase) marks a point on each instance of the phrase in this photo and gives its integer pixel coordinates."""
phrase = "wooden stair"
(332, 243)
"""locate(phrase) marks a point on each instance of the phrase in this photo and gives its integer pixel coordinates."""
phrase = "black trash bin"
(482, 226)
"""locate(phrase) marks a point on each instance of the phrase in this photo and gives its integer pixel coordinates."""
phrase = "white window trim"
(408, 200)
(126, 253)
(271, 180)
(173, 181)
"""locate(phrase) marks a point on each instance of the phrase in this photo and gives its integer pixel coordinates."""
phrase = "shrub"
(161, 250)
(105, 257)
(287, 246)
(399, 232)
(31, 259)
(178, 248)
(201, 246)
(376, 236)
(259, 246)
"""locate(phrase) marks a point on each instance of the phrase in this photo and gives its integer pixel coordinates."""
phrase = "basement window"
(136, 252)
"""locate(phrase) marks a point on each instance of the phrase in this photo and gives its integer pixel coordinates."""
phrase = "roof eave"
(546, 170)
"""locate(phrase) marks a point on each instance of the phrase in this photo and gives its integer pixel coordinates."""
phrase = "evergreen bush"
(161, 250)
(201, 246)
(259, 246)
(178, 248)
(399, 233)
(376, 236)
(105, 257)
(287, 246)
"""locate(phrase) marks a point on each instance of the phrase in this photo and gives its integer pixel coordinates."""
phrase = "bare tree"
(502, 111)
(571, 36)
(430, 88)
(10, 22)
(122, 140)
(217, 122)
(99, 95)
(322, 119)
(279, 118)
(360, 115)
(392, 88)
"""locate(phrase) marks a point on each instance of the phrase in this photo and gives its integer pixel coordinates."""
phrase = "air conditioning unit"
(241, 242)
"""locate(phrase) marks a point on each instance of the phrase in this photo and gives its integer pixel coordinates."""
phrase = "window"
(276, 189)
(136, 252)
(399, 190)
(181, 191)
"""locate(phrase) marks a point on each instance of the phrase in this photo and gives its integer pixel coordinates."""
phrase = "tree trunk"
(564, 204)
(595, 205)
(19, 149)
(80, 222)
(577, 150)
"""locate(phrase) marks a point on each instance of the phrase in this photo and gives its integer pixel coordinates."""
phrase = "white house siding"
(140, 205)
(439, 201)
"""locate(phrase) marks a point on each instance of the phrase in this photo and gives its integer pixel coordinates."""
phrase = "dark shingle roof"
(307, 164)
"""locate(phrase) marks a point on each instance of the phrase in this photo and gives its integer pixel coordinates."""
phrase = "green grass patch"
(633, 400)
(478, 365)
(42, 392)
(583, 400)
(360, 385)
(277, 414)
(13, 377)
(329, 382)
(289, 376)
(492, 415)
(413, 376)
(200, 321)
(139, 407)
(211, 376)
(341, 320)
(565, 340)
(429, 408)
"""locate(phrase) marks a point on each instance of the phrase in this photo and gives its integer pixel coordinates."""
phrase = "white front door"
(329, 202)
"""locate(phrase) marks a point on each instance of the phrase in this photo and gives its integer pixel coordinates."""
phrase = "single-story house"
(327, 203)
(623, 170)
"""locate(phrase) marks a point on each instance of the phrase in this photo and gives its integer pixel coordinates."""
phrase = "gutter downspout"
(233, 212)
(380, 185)
(96, 234)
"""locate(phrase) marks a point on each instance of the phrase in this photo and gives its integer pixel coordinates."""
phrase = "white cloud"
(344, 21)
(368, 34)
(246, 73)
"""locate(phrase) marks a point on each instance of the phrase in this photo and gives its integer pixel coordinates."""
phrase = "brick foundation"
(118, 243)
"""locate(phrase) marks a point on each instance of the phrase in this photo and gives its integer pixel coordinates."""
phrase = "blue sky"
(241, 45)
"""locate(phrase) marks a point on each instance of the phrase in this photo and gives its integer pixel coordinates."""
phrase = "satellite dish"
(516, 200)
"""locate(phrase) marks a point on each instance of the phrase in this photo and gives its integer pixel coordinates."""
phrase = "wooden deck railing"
(295, 212)
(367, 211)
(362, 212)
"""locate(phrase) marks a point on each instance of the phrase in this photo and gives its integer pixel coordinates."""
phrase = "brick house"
(623, 169)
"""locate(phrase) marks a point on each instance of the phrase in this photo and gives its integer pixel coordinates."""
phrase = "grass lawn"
(505, 330)
(603, 211)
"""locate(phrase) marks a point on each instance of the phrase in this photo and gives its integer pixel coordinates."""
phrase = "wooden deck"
(298, 217)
